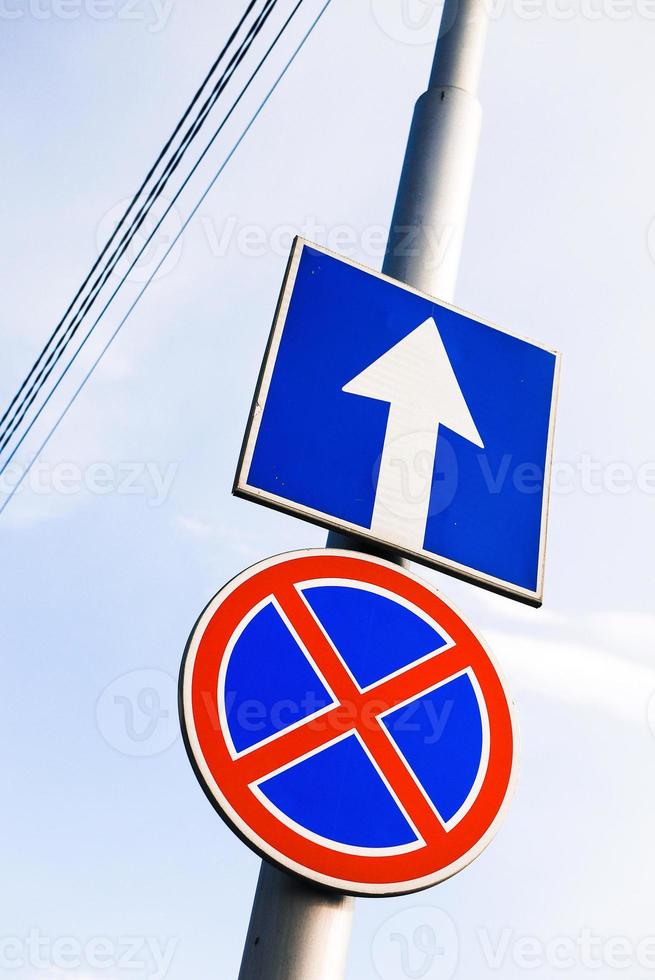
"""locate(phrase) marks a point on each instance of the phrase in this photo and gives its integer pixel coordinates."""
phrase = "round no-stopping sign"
(347, 723)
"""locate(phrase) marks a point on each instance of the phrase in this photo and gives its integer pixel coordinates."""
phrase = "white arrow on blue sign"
(383, 413)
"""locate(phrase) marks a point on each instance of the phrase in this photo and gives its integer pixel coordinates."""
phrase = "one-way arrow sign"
(416, 378)
(384, 413)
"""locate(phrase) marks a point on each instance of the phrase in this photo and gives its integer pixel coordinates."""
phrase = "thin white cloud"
(219, 533)
(578, 672)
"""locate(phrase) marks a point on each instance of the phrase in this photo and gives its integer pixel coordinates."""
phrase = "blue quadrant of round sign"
(440, 736)
(270, 683)
(338, 794)
(375, 635)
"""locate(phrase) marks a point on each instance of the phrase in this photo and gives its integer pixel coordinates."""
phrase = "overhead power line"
(63, 335)
(130, 207)
(175, 239)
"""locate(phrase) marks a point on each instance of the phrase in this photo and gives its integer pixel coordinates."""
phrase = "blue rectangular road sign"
(383, 413)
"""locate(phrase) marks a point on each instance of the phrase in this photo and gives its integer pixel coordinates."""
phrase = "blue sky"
(105, 570)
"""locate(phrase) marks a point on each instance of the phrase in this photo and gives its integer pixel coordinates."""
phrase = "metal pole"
(427, 228)
(298, 931)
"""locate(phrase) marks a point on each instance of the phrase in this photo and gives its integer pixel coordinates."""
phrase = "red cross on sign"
(347, 723)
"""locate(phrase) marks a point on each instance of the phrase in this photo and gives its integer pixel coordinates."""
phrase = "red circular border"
(240, 807)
